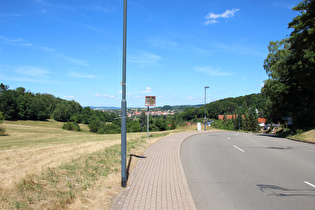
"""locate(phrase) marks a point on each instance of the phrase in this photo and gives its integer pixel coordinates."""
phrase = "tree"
(65, 110)
(166, 107)
(3, 88)
(133, 126)
(161, 124)
(8, 104)
(303, 59)
(303, 44)
(290, 65)
(143, 121)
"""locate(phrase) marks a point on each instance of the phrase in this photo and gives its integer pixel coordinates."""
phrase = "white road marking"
(239, 148)
(228, 137)
(310, 184)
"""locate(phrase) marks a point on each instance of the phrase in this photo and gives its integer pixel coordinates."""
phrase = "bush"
(95, 125)
(133, 126)
(71, 126)
(109, 129)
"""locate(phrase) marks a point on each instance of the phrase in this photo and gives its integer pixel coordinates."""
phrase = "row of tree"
(239, 105)
(19, 104)
(290, 66)
(246, 122)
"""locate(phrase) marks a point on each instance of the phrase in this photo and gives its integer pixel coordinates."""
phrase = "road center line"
(310, 184)
(239, 148)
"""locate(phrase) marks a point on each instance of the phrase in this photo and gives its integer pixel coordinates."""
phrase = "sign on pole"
(150, 100)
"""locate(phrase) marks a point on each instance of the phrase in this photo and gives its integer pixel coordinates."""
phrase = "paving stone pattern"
(158, 181)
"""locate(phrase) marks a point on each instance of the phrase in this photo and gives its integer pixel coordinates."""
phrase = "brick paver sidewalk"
(158, 181)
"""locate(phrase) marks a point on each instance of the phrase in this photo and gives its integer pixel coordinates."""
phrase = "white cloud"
(162, 43)
(19, 41)
(10, 40)
(32, 71)
(48, 49)
(210, 71)
(105, 96)
(73, 60)
(147, 90)
(190, 98)
(211, 22)
(211, 18)
(79, 75)
(145, 58)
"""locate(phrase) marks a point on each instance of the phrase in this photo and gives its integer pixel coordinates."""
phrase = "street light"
(124, 104)
(205, 107)
(239, 119)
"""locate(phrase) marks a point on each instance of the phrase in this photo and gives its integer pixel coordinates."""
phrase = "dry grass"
(43, 166)
(308, 136)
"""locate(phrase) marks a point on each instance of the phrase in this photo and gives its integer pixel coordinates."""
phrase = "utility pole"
(124, 104)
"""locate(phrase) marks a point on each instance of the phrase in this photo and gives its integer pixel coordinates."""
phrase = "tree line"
(20, 104)
(250, 107)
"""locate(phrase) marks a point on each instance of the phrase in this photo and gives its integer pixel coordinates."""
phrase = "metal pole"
(148, 118)
(205, 108)
(239, 120)
(124, 103)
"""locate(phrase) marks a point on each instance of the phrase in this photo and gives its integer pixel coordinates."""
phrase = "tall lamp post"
(124, 104)
(239, 119)
(205, 107)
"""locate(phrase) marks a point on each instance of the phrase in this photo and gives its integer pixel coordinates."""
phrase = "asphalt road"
(231, 170)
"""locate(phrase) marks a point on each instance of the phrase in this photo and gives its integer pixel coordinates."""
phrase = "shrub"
(109, 129)
(71, 126)
(299, 131)
(95, 125)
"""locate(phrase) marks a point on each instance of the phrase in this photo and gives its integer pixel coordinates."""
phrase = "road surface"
(231, 170)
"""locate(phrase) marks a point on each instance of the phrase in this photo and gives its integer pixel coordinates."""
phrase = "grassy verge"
(56, 188)
(308, 136)
(76, 183)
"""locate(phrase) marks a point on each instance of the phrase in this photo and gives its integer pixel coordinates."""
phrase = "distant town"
(157, 111)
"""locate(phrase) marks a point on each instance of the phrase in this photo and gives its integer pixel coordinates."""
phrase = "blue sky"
(73, 48)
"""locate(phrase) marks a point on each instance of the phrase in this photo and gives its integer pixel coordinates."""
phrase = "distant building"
(165, 113)
(228, 117)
